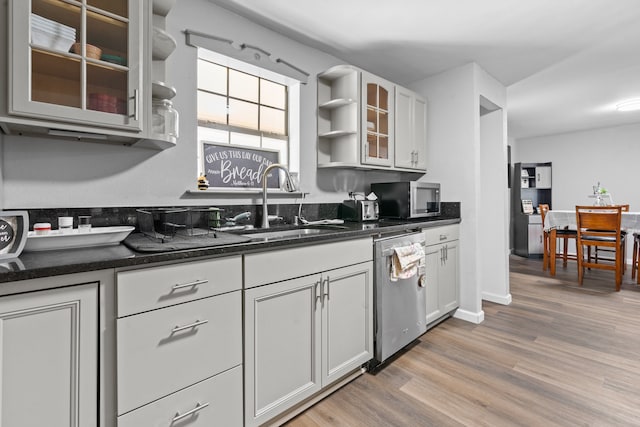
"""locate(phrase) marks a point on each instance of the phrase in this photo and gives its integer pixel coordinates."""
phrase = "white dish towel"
(405, 261)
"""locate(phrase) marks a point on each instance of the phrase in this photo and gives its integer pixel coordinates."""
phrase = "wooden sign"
(14, 227)
(239, 167)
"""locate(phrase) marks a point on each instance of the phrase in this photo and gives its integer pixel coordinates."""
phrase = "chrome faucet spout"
(289, 186)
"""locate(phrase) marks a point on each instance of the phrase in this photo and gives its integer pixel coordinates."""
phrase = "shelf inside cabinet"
(337, 103)
(336, 133)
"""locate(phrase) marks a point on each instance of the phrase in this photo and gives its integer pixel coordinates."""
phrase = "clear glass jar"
(164, 118)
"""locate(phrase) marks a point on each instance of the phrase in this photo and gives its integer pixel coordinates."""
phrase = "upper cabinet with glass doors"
(377, 120)
(77, 62)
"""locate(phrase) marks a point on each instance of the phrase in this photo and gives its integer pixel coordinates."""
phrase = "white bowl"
(163, 44)
(162, 7)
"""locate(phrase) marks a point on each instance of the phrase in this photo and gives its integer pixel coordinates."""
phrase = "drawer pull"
(443, 237)
(189, 285)
(189, 326)
(198, 407)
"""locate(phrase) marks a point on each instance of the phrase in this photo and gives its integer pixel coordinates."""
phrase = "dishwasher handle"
(390, 251)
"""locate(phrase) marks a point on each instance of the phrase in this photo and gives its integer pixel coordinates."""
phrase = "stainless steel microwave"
(407, 199)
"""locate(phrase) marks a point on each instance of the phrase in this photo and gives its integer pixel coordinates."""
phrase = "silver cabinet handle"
(443, 237)
(198, 407)
(189, 285)
(317, 290)
(325, 292)
(189, 326)
(136, 104)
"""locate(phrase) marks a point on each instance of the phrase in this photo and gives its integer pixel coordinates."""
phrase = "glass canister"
(165, 118)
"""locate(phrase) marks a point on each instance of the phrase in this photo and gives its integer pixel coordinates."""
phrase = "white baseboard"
(498, 299)
(469, 316)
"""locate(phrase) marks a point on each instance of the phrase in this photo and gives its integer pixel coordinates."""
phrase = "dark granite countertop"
(32, 265)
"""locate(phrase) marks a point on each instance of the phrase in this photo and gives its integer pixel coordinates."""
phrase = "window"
(243, 105)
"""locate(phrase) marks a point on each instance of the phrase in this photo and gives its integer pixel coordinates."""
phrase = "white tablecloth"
(561, 219)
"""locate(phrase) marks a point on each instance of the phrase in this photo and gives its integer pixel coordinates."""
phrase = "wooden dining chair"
(599, 226)
(598, 250)
(563, 234)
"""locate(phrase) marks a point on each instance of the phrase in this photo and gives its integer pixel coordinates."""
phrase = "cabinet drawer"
(158, 352)
(274, 266)
(221, 394)
(443, 234)
(157, 287)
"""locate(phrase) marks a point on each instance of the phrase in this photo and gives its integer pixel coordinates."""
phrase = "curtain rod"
(245, 52)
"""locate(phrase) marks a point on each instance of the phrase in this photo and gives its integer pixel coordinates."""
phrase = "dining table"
(559, 219)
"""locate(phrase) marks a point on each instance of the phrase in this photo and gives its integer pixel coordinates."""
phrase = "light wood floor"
(559, 355)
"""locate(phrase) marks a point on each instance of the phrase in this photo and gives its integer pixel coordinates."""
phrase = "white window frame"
(293, 105)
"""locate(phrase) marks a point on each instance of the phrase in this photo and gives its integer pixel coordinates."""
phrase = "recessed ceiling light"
(630, 105)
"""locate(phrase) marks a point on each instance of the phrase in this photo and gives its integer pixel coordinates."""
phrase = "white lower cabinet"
(216, 401)
(304, 333)
(442, 278)
(179, 344)
(49, 357)
(166, 350)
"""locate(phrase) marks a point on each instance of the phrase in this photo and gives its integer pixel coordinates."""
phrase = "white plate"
(97, 236)
(161, 90)
(163, 44)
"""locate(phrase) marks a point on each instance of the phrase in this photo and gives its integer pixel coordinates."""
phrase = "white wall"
(581, 159)
(493, 203)
(41, 172)
(454, 159)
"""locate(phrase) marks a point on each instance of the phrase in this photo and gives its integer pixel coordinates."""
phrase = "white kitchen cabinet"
(52, 83)
(178, 325)
(216, 401)
(338, 117)
(356, 113)
(378, 115)
(49, 357)
(442, 276)
(410, 130)
(55, 89)
(305, 333)
(543, 177)
(535, 243)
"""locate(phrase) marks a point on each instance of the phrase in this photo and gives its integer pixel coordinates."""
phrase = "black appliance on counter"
(407, 199)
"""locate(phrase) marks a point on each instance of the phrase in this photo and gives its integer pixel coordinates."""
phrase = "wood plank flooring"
(559, 355)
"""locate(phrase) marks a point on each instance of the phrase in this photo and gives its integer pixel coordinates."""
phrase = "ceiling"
(565, 63)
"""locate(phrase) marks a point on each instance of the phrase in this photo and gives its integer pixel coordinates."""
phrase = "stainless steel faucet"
(289, 186)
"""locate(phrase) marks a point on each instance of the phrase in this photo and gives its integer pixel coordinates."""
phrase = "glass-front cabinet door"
(377, 120)
(77, 61)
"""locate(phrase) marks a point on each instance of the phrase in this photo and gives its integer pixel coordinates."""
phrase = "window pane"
(372, 92)
(243, 114)
(383, 99)
(372, 141)
(243, 86)
(212, 135)
(212, 77)
(273, 94)
(272, 120)
(212, 108)
(245, 139)
(277, 144)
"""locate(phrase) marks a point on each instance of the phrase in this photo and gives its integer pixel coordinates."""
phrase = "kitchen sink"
(271, 234)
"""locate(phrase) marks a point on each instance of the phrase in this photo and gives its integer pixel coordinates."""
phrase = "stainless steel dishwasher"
(400, 306)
